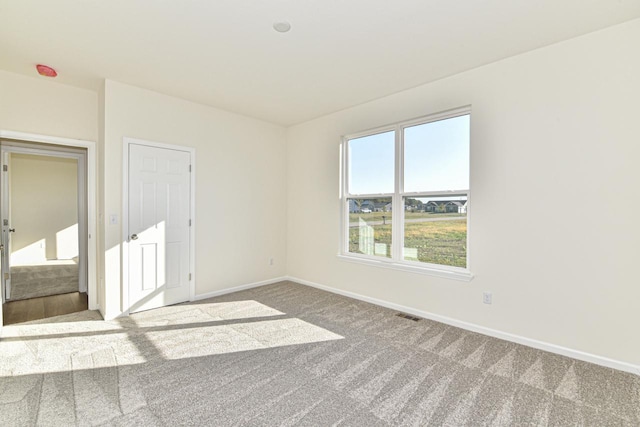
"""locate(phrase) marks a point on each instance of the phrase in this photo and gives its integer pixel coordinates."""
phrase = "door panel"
(159, 208)
(174, 273)
(149, 279)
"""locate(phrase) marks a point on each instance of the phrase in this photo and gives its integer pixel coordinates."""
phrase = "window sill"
(458, 274)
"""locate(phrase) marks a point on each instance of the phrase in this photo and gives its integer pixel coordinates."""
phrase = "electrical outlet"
(486, 297)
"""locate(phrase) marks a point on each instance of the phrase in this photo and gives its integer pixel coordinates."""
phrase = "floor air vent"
(408, 316)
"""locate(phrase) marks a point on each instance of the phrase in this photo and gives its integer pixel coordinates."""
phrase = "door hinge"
(5, 168)
(189, 223)
(189, 276)
(189, 168)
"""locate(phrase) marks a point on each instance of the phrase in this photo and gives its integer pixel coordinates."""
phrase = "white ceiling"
(339, 53)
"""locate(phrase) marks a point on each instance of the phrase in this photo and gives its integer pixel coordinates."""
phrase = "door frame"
(5, 241)
(126, 142)
(92, 248)
(22, 147)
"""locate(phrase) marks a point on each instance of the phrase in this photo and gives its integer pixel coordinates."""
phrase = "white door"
(159, 221)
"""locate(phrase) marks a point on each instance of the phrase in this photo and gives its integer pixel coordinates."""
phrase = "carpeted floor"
(50, 278)
(285, 355)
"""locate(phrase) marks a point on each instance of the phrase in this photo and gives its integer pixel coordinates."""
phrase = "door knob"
(134, 237)
(12, 230)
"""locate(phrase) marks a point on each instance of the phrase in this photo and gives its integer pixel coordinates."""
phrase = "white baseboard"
(540, 345)
(237, 288)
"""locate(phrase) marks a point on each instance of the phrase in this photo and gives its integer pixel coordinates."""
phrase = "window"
(406, 195)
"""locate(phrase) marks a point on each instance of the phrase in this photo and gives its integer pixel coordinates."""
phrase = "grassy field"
(437, 242)
(377, 216)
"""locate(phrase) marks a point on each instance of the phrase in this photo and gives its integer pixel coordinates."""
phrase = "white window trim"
(396, 262)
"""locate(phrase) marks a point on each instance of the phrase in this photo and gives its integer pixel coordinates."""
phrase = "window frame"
(397, 261)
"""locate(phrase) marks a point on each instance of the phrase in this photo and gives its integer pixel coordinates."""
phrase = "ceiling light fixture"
(282, 27)
(45, 70)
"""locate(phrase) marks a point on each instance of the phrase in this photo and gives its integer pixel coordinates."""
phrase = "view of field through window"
(435, 229)
(433, 192)
(370, 226)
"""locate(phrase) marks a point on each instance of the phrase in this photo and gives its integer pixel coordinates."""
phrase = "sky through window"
(436, 158)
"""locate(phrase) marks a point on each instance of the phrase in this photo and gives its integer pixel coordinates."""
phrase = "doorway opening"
(44, 221)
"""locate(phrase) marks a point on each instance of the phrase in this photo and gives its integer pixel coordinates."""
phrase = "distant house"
(380, 206)
(456, 207)
(446, 206)
(365, 206)
(431, 206)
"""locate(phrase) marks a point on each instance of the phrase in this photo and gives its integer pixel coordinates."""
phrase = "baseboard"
(237, 288)
(540, 345)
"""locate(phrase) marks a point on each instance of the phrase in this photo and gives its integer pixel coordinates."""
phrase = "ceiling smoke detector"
(45, 70)
(282, 27)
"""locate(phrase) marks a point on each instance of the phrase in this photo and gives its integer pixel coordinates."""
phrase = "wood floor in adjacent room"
(43, 307)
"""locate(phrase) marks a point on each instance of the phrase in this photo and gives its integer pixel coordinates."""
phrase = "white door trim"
(92, 249)
(126, 142)
(81, 158)
(5, 241)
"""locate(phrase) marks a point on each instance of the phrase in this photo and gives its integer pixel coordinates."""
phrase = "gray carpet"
(32, 281)
(286, 355)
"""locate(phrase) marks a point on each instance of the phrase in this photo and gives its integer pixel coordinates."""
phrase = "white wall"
(241, 172)
(44, 208)
(555, 197)
(240, 186)
(42, 106)
(39, 105)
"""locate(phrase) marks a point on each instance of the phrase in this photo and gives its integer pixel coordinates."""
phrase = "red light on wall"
(46, 71)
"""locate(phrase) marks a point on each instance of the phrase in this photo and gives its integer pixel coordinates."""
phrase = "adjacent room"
(300, 213)
(44, 205)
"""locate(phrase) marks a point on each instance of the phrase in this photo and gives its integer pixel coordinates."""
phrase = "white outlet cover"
(486, 297)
